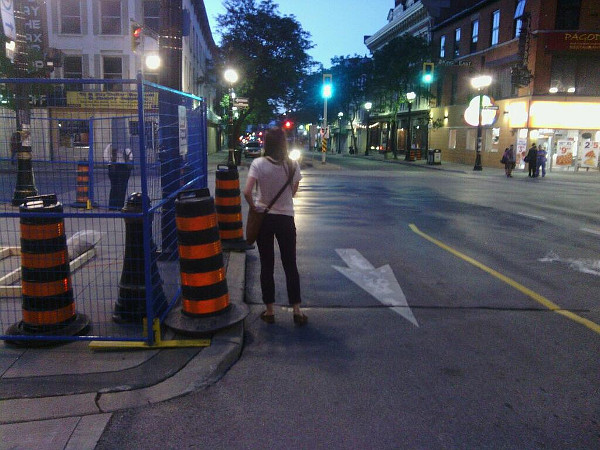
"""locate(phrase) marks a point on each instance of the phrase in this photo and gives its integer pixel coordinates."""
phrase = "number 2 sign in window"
(590, 154)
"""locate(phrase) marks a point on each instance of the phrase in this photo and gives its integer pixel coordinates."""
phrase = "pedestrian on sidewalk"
(531, 159)
(508, 158)
(271, 173)
(540, 161)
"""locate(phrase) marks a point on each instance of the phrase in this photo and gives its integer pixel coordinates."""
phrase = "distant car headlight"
(295, 154)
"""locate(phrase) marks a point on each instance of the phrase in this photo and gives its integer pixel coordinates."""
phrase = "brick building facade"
(544, 60)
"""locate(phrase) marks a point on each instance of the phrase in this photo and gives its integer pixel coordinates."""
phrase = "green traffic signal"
(427, 76)
(327, 91)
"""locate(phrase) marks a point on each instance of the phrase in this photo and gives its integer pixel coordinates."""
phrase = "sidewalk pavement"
(63, 397)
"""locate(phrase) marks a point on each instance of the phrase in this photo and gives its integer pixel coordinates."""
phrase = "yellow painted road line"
(534, 295)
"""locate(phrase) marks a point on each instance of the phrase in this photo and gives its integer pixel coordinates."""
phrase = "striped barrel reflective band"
(233, 234)
(228, 201)
(228, 184)
(202, 279)
(205, 306)
(49, 317)
(44, 231)
(44, 260)
(200, 251)
(46, 289)
(198, 223)
(230, 217)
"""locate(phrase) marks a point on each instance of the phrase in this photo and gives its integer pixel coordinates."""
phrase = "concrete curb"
(77, 421)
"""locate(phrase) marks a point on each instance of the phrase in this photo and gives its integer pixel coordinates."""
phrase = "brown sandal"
(268, 318)
(300, 319)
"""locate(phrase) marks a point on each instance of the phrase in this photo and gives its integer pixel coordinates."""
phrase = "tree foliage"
(396, 70)
(268, 50)
(352, 77)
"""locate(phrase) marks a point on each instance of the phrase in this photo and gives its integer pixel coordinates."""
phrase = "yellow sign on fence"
(111, 100)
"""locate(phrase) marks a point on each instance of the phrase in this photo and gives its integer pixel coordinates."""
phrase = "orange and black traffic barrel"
(205, 305)
(83, 199)
(132, 300)
(48, 304)
(229, 208)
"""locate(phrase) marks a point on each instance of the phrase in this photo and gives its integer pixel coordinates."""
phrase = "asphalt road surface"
(446, 310)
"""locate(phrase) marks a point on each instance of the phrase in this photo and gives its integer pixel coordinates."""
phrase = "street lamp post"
(231, 77)
(479, 83)
(340, 115)
(368, 106)
(410, 96)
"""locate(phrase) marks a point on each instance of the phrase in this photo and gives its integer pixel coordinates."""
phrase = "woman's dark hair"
(276, 144)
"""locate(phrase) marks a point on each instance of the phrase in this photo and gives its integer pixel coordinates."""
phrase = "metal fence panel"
(92, 144)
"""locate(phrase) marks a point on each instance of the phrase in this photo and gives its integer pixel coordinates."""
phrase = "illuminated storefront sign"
(564, 115)
(556, 41)
(517, 115)
(488, 111)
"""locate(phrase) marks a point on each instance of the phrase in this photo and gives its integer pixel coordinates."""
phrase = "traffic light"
(288, 124)
(136, 36)
(427, 76)
(327, 88)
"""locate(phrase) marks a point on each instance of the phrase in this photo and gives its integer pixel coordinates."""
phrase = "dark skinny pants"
(284, 229)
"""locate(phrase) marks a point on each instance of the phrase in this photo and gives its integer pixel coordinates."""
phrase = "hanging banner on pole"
(8, 19)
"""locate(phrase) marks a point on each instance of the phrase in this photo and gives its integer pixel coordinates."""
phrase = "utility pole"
(25, 186)
(168, 132)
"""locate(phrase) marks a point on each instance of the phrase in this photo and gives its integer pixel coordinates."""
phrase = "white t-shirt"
(270, 178)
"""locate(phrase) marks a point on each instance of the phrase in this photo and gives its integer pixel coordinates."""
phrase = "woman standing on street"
(271, 173)
(508, 158)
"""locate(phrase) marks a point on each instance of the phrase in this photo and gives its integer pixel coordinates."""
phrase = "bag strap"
(289, 180)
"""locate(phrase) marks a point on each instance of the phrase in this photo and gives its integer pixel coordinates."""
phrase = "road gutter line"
(534, 295)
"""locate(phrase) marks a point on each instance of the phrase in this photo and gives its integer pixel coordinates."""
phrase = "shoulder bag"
(255, 218)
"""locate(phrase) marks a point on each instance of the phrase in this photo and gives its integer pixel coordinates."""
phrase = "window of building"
(471, 143)
(70, 16)
(519, 10)
(495, 28)
(452, 139)
(567, 14)
(443, 46)
(110, 17)
(474, 35)
(113, 69)
(152, 14)
(457, 42)
(73, 68)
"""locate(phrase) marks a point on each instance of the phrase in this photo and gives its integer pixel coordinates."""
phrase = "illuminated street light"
(479, 83)
(153, 61)
(340, 115)
(368, 106)
(410, 96)
(231, 76)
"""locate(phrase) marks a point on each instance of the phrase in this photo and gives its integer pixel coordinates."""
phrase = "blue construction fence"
(89, 171)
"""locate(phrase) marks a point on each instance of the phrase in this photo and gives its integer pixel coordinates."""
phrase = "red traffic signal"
(136, 36)
(287, 124)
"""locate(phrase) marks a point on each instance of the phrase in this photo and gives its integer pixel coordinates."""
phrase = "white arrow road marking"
(380, 283)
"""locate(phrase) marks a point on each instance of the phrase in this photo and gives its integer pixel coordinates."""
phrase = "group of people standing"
(536, 158)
